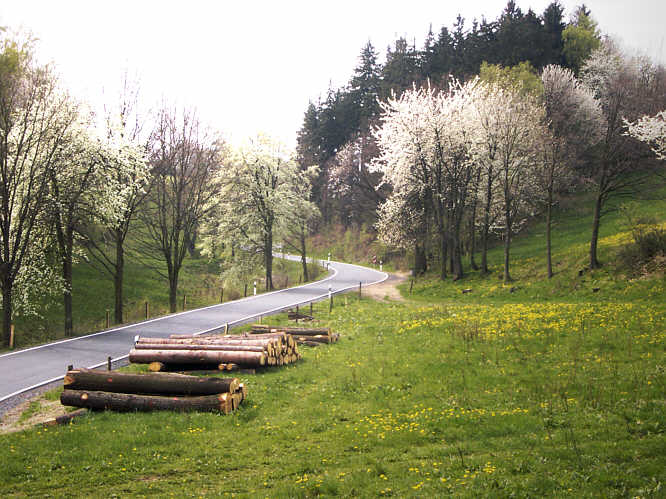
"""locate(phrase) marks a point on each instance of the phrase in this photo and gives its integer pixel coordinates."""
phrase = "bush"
(647, 253)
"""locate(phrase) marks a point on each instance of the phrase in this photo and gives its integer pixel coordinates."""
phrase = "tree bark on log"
(168, 384)
(231, 348)
(238, 340)
(65, 418)
(258, 329)
(101, 400)
(316, 339)
(196, 357)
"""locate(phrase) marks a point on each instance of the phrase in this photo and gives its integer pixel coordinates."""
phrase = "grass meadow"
(551, 389)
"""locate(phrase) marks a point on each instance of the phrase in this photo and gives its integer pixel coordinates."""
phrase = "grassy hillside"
(551, 390)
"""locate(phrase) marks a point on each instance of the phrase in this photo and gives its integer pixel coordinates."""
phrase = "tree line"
(466, 139)
(161, 184)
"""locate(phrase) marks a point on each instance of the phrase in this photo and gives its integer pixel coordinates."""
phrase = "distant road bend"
(27, 369)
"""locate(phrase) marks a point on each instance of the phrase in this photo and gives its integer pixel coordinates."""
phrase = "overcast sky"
(254, 65)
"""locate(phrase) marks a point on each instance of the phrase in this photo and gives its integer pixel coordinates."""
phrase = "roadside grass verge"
(490, 400)
(93, 296)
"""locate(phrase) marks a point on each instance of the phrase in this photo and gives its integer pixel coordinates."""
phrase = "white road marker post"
(255, 288)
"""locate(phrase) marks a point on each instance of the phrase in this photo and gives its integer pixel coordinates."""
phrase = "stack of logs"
(102, 390)
(303, 336)
(221, 351)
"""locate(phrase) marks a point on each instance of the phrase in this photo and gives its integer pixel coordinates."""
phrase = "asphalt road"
(31, 368)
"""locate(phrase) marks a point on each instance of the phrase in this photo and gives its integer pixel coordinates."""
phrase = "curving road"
(31, 368)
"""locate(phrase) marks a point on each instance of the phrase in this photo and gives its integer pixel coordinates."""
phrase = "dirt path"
(48, 409)
(387, 290)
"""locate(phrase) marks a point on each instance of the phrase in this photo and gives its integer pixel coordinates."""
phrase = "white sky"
(254, 65)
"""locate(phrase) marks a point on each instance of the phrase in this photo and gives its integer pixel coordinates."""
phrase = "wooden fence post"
(147, 310)
(11, 336)
(108, 319)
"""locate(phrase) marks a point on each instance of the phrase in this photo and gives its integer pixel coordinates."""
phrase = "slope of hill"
(552, 390)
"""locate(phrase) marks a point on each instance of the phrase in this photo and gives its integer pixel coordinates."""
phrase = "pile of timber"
(302, 335)
(224, 352)
(106, 390)
(296, 316)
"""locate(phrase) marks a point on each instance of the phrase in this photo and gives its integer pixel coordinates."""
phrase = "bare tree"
(184, 159)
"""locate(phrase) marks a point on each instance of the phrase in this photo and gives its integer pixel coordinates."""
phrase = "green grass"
(492, 400)
(553, 390)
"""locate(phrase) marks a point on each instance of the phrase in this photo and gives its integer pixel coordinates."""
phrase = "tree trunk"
(444, 255)
(67, 277)
(549, 210)
(472, 246)
(304, 259)
(119, 270)
(130, 402)
(163, 384)
(6, 311)
(196, 356)
(420, 265)
(507, 246)
(456, 250)
(594, 263)
(173, 293)
(486, 225)
(268, 260)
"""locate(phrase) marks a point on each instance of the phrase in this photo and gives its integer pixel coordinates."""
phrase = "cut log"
(238, 340)
(130, 402)
(230, 348)
(318, 339)
(309, 343)
(65, 418)
(156, 367)
(299, 331)
(196, 356)
(150, 383)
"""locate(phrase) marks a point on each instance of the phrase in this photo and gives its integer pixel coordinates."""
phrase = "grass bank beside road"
(543, 388)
